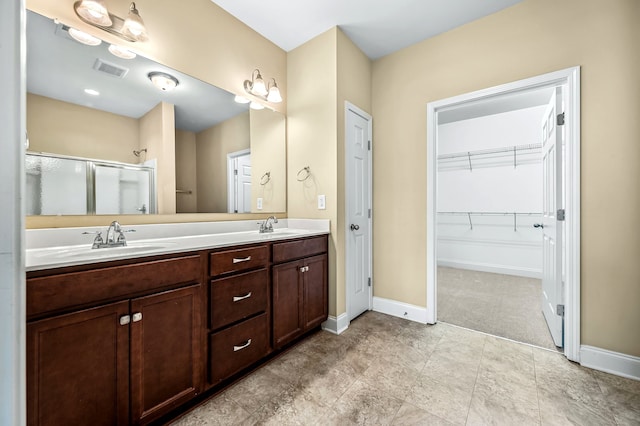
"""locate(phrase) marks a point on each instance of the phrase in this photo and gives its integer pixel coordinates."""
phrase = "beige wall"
(212, 147)
(186, 172)
(531, 38)
(311, 137)
(158, 136)
(323, 73)
(268, 132)
(354, 85)
(62, 128)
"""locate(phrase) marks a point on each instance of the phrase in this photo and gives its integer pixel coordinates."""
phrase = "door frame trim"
(570, 77)
(348, 106)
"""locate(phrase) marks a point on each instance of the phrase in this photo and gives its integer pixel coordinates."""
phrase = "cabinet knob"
(137, 317)
(304, 269)
(125, 319)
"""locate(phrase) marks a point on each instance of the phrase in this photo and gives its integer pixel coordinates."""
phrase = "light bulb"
(84, 38)
(95, 12)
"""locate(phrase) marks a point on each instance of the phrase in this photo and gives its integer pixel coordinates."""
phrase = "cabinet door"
(287, 302)
(78, 368)
(166, 358)
(315, 291)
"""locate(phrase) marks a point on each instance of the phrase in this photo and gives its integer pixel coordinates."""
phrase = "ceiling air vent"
(109, 68)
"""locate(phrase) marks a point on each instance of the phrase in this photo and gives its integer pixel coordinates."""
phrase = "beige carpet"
(501, 305)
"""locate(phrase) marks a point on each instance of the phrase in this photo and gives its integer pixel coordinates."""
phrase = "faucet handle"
(97, 241)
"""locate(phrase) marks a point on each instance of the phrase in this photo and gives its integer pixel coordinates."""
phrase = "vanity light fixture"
(84, 38)
(241, 99)
(163, 81)
(121, 52)
(256, 105)
(94, 12)
(258, 88)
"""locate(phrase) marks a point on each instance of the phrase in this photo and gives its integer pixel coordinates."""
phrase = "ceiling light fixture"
(94, 12)
(163, 81)
(91, 92)
(121, 52)
(84, 38)
(258, 88)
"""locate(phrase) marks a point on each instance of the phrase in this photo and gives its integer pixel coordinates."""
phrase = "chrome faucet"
(115, 236)
(267, 225)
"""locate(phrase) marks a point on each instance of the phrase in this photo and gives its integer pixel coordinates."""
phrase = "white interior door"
(244, 183)
(552, 291)
(358, 221)
(239, 182)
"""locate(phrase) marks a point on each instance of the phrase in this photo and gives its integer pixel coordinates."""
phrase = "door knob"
(538, 225)
(354, 227)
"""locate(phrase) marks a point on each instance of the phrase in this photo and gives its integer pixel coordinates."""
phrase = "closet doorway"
(500, 220)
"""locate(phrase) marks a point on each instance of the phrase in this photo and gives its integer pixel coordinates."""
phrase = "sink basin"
(87, 252)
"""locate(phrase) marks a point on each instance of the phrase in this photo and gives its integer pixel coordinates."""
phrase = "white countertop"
(60, 247)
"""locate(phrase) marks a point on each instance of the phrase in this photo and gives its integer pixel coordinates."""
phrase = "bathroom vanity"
(130, 337)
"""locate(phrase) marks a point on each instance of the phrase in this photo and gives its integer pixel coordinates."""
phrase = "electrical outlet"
(259, 203)
(321, 202)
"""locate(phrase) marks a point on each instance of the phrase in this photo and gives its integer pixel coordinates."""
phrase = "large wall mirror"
(103, 139)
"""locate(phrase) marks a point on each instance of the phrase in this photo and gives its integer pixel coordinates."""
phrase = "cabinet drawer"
(63, 291)
(237, 297)
(283, 252)
(224, 262)
(237, 347)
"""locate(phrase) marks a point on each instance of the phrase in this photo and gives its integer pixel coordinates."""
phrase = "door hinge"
(369, 146)
(369, 281)
(560, 310)
(560, 119)
(560, 214)
(369, 213)
(235, 172)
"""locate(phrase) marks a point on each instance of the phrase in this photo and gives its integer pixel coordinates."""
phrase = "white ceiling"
(377, 27)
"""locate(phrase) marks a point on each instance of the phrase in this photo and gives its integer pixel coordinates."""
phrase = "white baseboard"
(496, 269)
(400, 309)
(610, 362)
(336, 325)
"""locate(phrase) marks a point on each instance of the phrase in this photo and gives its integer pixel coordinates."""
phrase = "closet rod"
(507, 149)
(514, 214)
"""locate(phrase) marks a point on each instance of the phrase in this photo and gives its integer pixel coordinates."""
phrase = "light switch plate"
(259, 203)
(321, 202)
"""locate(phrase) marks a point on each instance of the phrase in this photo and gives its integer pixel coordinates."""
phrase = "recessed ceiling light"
(121, 52)
(84, 38)
(91, 92)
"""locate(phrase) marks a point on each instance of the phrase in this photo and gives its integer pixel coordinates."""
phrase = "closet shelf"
(513, 214)
(516, 155)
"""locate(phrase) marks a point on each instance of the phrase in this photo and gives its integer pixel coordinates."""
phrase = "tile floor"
(498, 304)
(388, 371)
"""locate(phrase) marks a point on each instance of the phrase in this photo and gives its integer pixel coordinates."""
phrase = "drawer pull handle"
(241, 259)
(241, 347)
(237, 298)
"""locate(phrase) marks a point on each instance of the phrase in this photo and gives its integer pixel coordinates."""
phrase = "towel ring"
(265, 178)
(306, 169)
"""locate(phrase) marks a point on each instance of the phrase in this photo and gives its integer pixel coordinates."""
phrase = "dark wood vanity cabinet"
(130, 341)
(239, 314)
(126, 362)
(300, 288)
